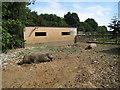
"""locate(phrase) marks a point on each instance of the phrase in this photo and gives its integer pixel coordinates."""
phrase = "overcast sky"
(102, 12)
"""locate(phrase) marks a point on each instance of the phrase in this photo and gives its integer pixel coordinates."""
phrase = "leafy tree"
(92, 23)
(72, 19)
(33, 19)
(85, 27)
(115, 26)
(81, 27)
(13, 20)
(5, 40)
(52, 20)
(101, 30)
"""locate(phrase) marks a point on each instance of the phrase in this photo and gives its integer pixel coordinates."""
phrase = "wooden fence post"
(103, 38)
(75, 39)
(116, 39)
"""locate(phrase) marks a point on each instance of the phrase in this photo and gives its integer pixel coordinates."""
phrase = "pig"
(33, 58)
(92, 45)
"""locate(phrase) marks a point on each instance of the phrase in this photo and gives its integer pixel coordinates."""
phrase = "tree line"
(69, 20)
(16, 15)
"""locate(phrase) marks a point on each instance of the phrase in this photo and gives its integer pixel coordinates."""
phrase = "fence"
(113, 39)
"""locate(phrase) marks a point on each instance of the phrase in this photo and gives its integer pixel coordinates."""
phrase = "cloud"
(96, 12)
(97, 7)
(76, 0)
(99, 13)
(77, 6)
(50, 8)
(54, 4)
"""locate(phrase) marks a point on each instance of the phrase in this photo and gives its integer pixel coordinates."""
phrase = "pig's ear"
(47, 54)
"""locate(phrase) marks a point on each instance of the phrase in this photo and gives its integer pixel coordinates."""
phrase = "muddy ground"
(72, 67)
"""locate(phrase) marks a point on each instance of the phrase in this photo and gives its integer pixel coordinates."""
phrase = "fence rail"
(114, 39)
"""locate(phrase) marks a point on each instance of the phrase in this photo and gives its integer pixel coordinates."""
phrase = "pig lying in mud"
(32, 58)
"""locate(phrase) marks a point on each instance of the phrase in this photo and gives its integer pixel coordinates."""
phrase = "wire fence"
(112, 39)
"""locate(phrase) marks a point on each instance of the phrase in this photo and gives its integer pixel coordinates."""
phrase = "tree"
(53, 20)
(101, 30)
(85, 27)
(33, 19)
(115, 25)
(92, 23)
(81, 27)
(13, 20)
(72, 19)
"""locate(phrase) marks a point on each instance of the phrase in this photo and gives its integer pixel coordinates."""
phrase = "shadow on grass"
(114, 51)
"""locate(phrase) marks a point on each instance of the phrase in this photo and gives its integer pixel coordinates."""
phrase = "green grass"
(56, 49)
(67, 49)
(98, 39)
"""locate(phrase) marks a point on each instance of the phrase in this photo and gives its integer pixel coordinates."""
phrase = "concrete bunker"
(37, 34)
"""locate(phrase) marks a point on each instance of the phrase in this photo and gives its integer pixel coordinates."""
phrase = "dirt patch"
(72, 67)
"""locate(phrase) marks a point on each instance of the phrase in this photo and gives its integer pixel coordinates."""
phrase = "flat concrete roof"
(51, 26)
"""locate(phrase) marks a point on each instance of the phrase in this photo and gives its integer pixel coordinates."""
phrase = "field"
(99, 38)
(72, 67)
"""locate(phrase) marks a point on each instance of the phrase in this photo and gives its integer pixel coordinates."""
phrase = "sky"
(102, 12)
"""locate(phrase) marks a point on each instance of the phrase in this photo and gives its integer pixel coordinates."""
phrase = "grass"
(67, 49)
(98, 39)
(56, 49)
